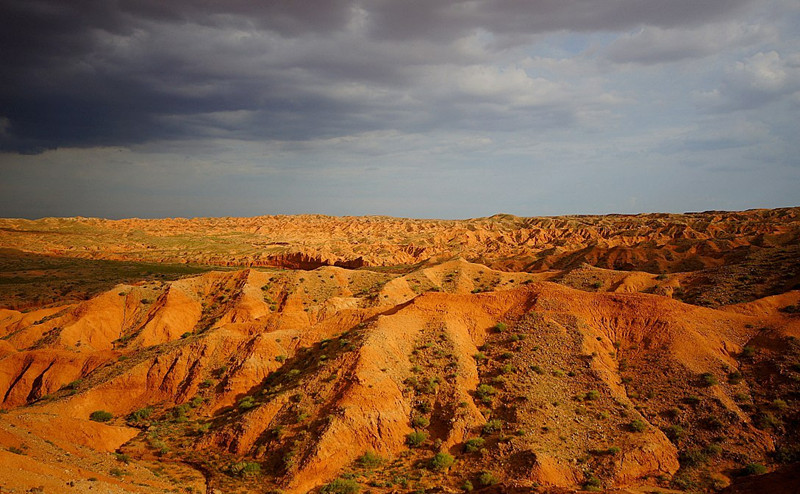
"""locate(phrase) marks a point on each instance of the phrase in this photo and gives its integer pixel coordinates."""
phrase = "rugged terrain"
(642, 353)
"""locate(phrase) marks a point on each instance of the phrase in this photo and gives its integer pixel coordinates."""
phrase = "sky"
(413, 108)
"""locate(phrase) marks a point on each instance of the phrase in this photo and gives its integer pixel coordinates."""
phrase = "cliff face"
(302, 373)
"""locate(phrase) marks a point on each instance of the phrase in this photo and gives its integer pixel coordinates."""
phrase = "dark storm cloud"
(86, 73)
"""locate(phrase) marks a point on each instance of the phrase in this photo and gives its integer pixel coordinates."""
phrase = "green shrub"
(342, 486)
(735, 377)
(713, 449)
(485, 391)
(244, 469)
(592, 483)
(613, 450)
(755, 469)
(74, 384)
(141, 414)
(473, 445)
(708, 379)
(467, 486)
(280, 358)
(637, 426)
(122, 457)
(748, 352)
(674, 432)
(370, 460)
(500, 327)
(492, 426)
(487, 478)
(537, 369)
(766, 420)
(101, 416)
(592, 395)
(416, 438)
(246, 403)
(442, 461)
(420, 421)
(693, 458)
(180, 413)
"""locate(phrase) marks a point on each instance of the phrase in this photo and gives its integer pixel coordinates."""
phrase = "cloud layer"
(454, 92)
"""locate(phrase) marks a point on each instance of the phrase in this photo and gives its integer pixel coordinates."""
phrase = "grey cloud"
(653, 45)
(425, 18)
(759, 80)
(98, 72)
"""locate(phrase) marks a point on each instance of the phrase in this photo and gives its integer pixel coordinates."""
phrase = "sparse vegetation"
(487, 478)
(101, 416)
(370, 460)
(442, 461)
(637, 426)
(475, 444)
(342, 486)
(416, 438)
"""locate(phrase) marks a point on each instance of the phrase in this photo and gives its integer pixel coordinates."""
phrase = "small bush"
(735, 377)
(416, 438)
(342, 486)
(485, 391)
(508, 369)
(442, 461)
(474, 445)
(246, 403)
(101, 416)
(122, 457)
(592, 483)
(708, 379)
(637, 426)
(592, 395)
(370, 460)
(693, 458)
(244, 469)
(420, 422)
(141, 414)
(780, 404)
(755, 469)
(487, 478)
(500, 327)
(766, 420)
(674, 432)
(467, 486)
(492, 426)
(537, 369)
(748, 352)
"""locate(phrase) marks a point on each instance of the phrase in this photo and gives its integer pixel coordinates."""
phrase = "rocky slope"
(655, 243)
(445, 376)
